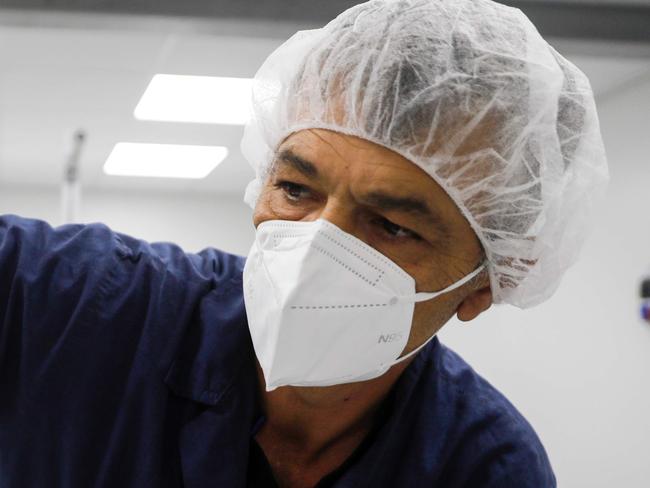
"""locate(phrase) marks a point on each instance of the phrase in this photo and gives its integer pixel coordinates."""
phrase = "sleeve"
(79, 296)
(49, 278)
(90, 321)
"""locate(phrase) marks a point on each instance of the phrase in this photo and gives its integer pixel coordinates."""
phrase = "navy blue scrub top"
(129, 364)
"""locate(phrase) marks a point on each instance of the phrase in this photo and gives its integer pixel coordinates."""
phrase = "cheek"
(430, 311)
(430, 316)
(262, 211)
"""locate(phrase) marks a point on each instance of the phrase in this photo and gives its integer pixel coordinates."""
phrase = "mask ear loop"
(414, 351)
(423, 296)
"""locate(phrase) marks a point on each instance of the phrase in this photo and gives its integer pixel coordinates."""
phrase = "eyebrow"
(305, 167)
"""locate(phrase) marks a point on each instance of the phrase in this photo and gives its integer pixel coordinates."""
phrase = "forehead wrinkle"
(347, 139)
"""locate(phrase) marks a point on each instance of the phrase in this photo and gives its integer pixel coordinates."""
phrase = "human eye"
(293, 192)
(394, 231)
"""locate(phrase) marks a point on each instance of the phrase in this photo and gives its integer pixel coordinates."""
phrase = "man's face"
(384, 200)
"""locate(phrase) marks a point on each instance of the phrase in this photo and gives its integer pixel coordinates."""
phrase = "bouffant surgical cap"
(471, 93)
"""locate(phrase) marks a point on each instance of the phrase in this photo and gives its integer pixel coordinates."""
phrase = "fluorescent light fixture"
(201, 99)
(163, 160)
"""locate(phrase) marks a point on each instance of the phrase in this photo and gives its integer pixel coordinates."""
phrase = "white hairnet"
(470, 92)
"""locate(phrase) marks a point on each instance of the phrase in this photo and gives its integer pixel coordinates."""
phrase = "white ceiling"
(56, 80)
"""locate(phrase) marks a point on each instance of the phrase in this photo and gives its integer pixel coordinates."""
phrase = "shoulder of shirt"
(488, 419)
(209, 264)
(94, 242)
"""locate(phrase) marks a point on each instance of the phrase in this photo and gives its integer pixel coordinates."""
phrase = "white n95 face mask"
(324, 308)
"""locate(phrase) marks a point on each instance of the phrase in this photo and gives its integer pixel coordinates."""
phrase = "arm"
(87, 289)
(90, 321)
(46, 277)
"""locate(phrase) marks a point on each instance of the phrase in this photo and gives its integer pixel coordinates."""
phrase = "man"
(415, 160)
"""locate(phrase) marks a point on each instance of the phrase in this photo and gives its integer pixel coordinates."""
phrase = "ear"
(474, 304)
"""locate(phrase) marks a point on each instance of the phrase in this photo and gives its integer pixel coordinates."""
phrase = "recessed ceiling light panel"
(163, 160)
(200, 99)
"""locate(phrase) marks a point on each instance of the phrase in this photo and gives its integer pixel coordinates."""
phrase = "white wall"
(193, 222)
(578, 366)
